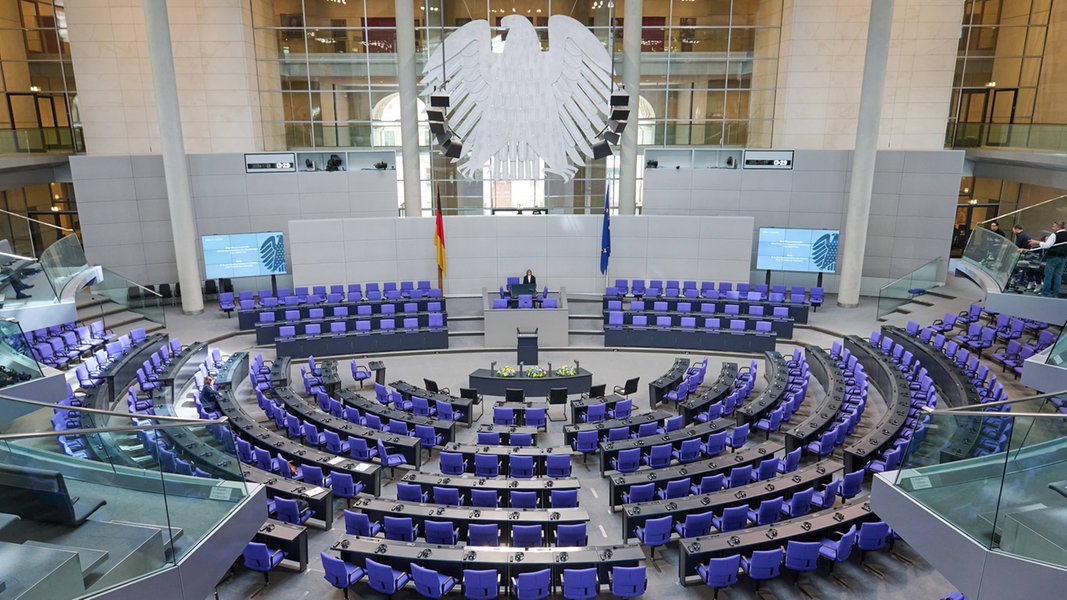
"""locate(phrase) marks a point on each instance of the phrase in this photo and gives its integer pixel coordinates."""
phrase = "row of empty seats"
(355, 292)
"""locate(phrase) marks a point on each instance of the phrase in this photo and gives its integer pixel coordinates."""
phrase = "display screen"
(809, 250)
(243, 254)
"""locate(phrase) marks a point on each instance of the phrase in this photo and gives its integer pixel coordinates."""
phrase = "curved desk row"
(506, 431)
(446, 429)
(367, 473)
(247, 319)
(504, 453)
(832, 379)
(610, 450)
(810, 527)
(318, 499)
(893, 387)
(722, 387)
(581, 406)
(464, 405)
(776, 371)
(634, 515)
(118, 373)
(695, 471)
(633, 422)
(410, 447)
(465, 484)
(782, 326)
(956, 389)
(659, 387)
(462, 517)
(507, 562)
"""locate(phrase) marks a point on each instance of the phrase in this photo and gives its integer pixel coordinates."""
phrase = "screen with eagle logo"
(243, 254)
(808, 250)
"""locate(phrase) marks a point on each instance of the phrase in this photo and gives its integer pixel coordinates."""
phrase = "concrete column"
(631, 78)
(854, 245)
(175, 165)
(409, 109)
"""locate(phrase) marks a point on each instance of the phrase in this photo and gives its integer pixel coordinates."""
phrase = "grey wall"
(913, 206)
(122, 204)
(482, 251)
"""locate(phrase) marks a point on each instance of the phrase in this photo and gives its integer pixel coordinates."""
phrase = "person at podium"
(529, 278)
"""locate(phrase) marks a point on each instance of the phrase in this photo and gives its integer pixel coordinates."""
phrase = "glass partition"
(901, 291)
(63, 260)
(131, 496)
(17, 363)
(1057, 356)
(998, 477)
(132, 295)
(993, 254)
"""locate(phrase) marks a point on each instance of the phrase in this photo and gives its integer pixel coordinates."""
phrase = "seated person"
(209, 397)
(529, 278)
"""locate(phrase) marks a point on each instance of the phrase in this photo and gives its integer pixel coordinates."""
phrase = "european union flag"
(605, 236)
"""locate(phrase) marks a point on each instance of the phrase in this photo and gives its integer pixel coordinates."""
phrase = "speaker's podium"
(527, 346)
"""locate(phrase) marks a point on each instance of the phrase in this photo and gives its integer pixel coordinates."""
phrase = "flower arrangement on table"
(506, 371)
(536, 372)
(566, 371)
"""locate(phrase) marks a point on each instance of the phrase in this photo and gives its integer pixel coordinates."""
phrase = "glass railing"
(17, 363)
(45, 139)
(998, 477)
(1057, 356)
(993, 254)
(62, 261)
(898, 293)
(128, 499)
(131, 295)
(1007, 135)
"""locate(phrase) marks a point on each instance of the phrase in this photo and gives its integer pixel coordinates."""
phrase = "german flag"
(439, 237)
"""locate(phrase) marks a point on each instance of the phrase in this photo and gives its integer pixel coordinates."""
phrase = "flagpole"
(439, 217)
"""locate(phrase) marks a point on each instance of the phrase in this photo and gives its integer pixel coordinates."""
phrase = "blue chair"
(384, 578)
(628, 582)
(521, 467)
(489, 438)
(313, 474)
(695, 525)
(595, 413)
(410, 492)
(740, 476)
(840, 549)
(447, 495)
(453, 463)
(689, 451)
(484, 498)
(791, 462)
(580, 584)
(483, 534)
(738, 437)
(852, 484)
(429, 437)
(400, 529)
(678, 488)
(260, 558)
(527, 536)
(339, 573)
(486, 465)
(290, 512)
(558, 465)
(802, 557)
(390, 460)
(627, 461)
(639, 493)
(764, 564)
(503, 416)
(766, 469)
(769, 511)
(344, 486)
(826, 497)
(430, 583)
(873, 535)
(720, 572)
(571, 535)
(622, 410)
(800, 504)
(481, 584)
(523, 499)
(360, 524)
(535, 417)
(535, 585)
(334, 443)
(359, 450)
(671, 424)
(563, 499)
(716, 444)
(732, 519)
(440, 532)
(655, 532)
(587, 442)
(709, 484)
(658, 456)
